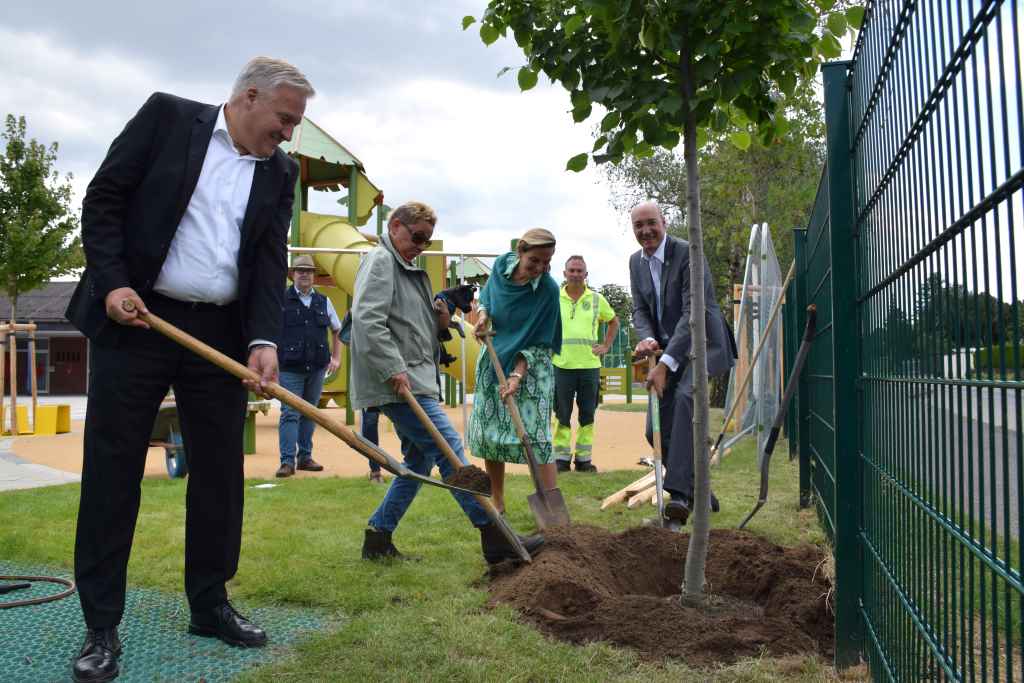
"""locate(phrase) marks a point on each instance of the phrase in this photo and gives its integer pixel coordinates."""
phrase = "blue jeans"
(294, 429)
(421, 454)
(368, 428)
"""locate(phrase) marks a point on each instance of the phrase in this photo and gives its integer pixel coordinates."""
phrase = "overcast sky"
(399, 84)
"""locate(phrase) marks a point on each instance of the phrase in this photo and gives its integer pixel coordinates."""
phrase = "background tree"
(665, 71)
(38, 231)
(622, 303)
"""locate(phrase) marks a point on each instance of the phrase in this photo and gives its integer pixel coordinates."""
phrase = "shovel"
(366, 448)
(484, 502)
(548, 506)
(780, 417)
(659, 477)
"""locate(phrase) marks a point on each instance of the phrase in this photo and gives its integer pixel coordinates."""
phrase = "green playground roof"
(326, 159)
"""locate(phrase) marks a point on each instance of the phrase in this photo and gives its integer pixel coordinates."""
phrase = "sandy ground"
(618, 444)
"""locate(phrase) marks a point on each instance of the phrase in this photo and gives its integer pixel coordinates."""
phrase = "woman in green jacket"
(520, 303)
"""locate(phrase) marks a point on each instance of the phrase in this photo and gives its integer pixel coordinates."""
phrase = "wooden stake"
(3, 367)
(640, 498)
(13, 353)
(32, 371)
(622, 494)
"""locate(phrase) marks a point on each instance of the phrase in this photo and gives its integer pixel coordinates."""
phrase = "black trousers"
(676, 432)
(126, 386)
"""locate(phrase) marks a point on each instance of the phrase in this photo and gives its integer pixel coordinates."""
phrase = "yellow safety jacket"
(581, 321)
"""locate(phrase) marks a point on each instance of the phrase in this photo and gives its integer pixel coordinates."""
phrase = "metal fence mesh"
(924, 501)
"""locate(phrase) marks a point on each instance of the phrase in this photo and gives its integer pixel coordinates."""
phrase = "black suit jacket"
(673, 330)
(135, 202)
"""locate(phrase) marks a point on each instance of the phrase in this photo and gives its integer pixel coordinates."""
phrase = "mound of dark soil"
(470, 477)
(589, 584)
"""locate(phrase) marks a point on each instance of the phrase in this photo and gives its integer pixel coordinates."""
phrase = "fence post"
(802, 412)
(845, 352)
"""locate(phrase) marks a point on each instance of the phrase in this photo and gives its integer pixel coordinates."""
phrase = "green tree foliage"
(622, 303)
(671, 71)
(38, 231)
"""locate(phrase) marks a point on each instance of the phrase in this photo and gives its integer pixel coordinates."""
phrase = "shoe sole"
(76, 679)
(214, 633)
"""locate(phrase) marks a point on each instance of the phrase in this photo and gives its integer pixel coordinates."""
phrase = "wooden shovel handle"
(435, 434)
(517, 419)
(274, 389)
(449, 454)
(655, 409)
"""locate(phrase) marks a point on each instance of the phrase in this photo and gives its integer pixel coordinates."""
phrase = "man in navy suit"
(186, 217)
(659, 278)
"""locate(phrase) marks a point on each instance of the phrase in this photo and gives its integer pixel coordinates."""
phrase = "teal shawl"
(521, 315)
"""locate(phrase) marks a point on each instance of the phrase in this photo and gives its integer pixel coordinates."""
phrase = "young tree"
(38, 230)
(665, 71)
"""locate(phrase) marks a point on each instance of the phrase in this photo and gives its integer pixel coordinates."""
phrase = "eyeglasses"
(418, 238)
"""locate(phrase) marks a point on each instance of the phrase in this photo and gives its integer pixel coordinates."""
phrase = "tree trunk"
(697, 553)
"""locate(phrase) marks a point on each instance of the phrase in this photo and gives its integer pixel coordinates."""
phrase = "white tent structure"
(762, 289)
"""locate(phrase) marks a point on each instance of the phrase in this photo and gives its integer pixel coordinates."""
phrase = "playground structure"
(336, 244)
(46, 419)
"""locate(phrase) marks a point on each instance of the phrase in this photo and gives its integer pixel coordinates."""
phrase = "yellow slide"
(322, 230)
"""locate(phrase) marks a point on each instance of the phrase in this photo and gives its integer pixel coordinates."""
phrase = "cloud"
(399, 84)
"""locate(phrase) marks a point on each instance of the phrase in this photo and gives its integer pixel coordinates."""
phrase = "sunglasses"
(418, 238)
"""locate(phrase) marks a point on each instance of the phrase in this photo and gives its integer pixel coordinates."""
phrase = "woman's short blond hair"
(412, 213)
(535, 237)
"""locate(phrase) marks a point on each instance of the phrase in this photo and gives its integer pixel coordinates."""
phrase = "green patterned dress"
(492, 436)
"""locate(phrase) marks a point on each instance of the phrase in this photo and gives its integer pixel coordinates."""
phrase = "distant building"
(62, 352)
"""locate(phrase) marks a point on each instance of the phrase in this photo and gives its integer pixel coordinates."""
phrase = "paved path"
(16, 473)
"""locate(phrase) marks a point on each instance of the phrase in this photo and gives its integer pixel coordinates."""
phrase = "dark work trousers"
(676, 432)
(579, 385)
(126, 386)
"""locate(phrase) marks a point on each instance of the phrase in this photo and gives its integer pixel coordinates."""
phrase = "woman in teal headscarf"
(520, 303)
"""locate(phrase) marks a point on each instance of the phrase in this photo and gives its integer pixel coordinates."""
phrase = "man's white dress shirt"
(656, 262)
(202, 262)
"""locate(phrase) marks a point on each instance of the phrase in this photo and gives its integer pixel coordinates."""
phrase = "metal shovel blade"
(548, 508)
(399, 470)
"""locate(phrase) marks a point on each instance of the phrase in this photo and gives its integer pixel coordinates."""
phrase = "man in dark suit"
(186, 217)
(659, 278)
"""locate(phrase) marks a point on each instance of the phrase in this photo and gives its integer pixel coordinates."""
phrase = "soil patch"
(470, 477)
(589, 584)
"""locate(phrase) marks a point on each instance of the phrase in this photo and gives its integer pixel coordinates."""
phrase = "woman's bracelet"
(514, 374)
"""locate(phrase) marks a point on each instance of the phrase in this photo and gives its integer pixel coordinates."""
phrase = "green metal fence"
(909, 449)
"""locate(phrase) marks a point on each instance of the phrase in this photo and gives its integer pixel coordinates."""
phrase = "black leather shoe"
(310, 465)
(563, 465)
(496, 547)
(585, 466)
(677, 511)
(224, 622)
(377, 545)
(98, 659)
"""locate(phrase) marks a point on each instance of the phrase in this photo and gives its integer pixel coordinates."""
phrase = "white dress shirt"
(656, 262)
(202, 262)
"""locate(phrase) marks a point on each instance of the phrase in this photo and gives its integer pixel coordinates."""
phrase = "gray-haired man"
(188, 217)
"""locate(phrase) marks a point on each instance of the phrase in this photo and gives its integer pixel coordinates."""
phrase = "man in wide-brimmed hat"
(305, 360)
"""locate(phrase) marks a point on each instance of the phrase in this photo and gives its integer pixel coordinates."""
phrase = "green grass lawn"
(398, 621)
